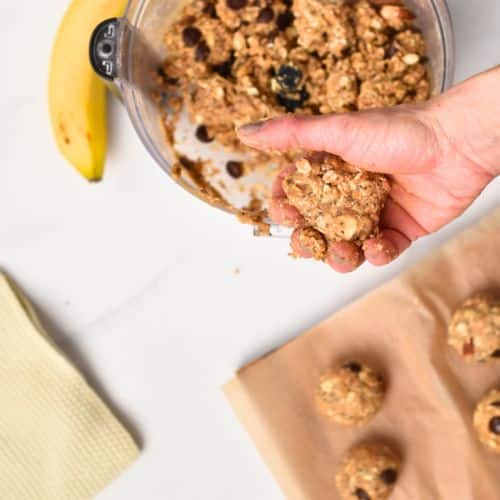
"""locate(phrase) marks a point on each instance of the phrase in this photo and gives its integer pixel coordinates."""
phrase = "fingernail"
(250, 128)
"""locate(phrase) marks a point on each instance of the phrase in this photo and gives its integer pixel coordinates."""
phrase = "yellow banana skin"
(77, 96)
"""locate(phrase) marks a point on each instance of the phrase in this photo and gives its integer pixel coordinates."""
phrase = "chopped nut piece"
(303, 166)
(411, 59)
(396, 16)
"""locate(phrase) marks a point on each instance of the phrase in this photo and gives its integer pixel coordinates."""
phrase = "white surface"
(153, 312)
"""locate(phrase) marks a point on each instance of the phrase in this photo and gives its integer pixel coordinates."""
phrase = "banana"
(77, 96)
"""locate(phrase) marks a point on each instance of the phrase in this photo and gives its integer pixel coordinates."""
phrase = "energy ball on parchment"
(368, 472)
(487, 420)
(350, 394)
(474, 330)
(337, 199)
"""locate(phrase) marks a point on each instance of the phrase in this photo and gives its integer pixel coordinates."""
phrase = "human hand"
(439, 155)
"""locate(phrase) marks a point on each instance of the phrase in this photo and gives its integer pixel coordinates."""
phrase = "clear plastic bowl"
(140, 50)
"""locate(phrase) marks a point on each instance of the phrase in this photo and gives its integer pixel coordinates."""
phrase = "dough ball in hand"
(368, 472)
(341, 201)
(474, 330)
(487, 420)
(350, 394)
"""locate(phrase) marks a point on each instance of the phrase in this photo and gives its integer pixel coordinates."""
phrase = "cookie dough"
(487, 420)
(368, 472)
(474, 330)
(339, 200)
(250, 60)
(351, 394)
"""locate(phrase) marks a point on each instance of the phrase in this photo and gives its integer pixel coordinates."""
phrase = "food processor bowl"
(128, 51)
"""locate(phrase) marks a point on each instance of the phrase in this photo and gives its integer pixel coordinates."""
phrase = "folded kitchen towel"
(58, 440)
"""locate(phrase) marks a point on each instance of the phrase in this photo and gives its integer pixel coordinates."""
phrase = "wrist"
(467, 122)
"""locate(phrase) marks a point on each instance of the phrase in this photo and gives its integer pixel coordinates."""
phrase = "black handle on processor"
(104, 49)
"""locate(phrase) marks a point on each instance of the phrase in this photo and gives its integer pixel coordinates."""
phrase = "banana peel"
(77, 96)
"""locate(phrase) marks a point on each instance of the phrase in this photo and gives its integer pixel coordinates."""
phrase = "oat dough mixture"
(474, 330)
(368, 472)
(231, 62)
(487, 420)
(336, 199)
(351, 394)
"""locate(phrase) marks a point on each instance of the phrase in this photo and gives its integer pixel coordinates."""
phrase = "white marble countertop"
(153, 314)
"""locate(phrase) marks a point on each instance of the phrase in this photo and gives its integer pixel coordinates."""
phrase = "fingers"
(344, 256)
(390, 140)
(281, 212)
(386, 247)
(394, 216)
(277, 190)
(298, 249)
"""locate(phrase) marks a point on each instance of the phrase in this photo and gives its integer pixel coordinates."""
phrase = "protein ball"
(368, 472)
(474, 330)
(487, 420)
(351, 394)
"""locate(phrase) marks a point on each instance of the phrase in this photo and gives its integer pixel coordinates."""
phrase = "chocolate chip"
(191, 36)
(390, 31)
(361, 494)
(202, 51)
(285, 20)
(494, 425)
(496, 404)
(236, 4)
(389, 476)
(166, 78)
(288, 78)
(272, 35)
(288, 3)
(224, 69)
(209, 9)
(161, 72)
(292, 103)
(353, 366)
(202, 134)
(234, 169)
(266, 15)
(391, 51)
(496, 354)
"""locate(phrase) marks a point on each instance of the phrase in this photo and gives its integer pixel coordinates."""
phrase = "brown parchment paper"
(401, 329)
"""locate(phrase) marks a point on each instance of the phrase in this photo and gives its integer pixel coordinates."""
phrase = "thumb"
(397, 140)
